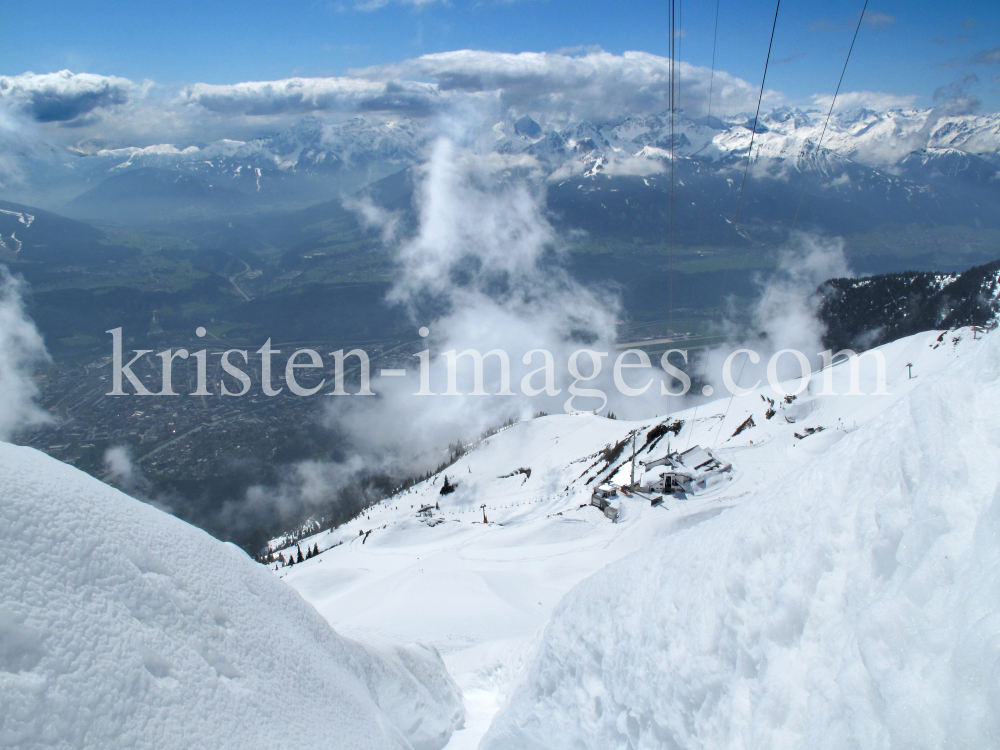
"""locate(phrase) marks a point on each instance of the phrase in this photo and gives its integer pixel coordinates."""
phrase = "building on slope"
(690, 471)
(603, 498)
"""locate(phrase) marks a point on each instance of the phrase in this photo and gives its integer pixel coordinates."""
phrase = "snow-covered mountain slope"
(854, 603)
(878, 139)
(481, 592)
(875, 139)
(866, 170)
(123, 627)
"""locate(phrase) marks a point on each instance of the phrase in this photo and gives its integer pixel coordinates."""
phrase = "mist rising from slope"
(484, 252)
(784, 315)
(21, 351)
(485, 256)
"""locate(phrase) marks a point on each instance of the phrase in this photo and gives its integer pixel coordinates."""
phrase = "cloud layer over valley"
(89, 110)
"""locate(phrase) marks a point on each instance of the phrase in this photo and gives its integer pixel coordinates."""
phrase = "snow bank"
(855, 603)
(121, 626)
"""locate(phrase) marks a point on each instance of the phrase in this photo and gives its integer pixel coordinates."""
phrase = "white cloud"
(370, 5)
(785, 314)
(641, 165)
(121, 470)
(879, 20)
(877, 100)
(88, 112)
(13, 147)
(598, 86)
(556, 86)
(65, 96)
(21, 351)
(304, 487)
(302, 95)
(478, 252)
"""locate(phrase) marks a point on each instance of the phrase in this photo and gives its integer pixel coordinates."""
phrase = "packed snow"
(123, 627)
(855, 603)
(422, 566)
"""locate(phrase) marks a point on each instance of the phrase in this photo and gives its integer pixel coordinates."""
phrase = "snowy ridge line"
(24, 218)
(360, 151)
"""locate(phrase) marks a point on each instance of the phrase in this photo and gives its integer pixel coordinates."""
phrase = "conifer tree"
(300, 557)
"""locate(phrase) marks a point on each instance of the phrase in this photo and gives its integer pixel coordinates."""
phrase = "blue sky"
(912, 48)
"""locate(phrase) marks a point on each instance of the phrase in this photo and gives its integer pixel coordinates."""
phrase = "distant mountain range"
(908, 162)
(875, 170)
(308, 163)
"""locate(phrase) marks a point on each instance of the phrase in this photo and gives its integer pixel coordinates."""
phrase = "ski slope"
(853, 604)
(481, 593)
(123, 627)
